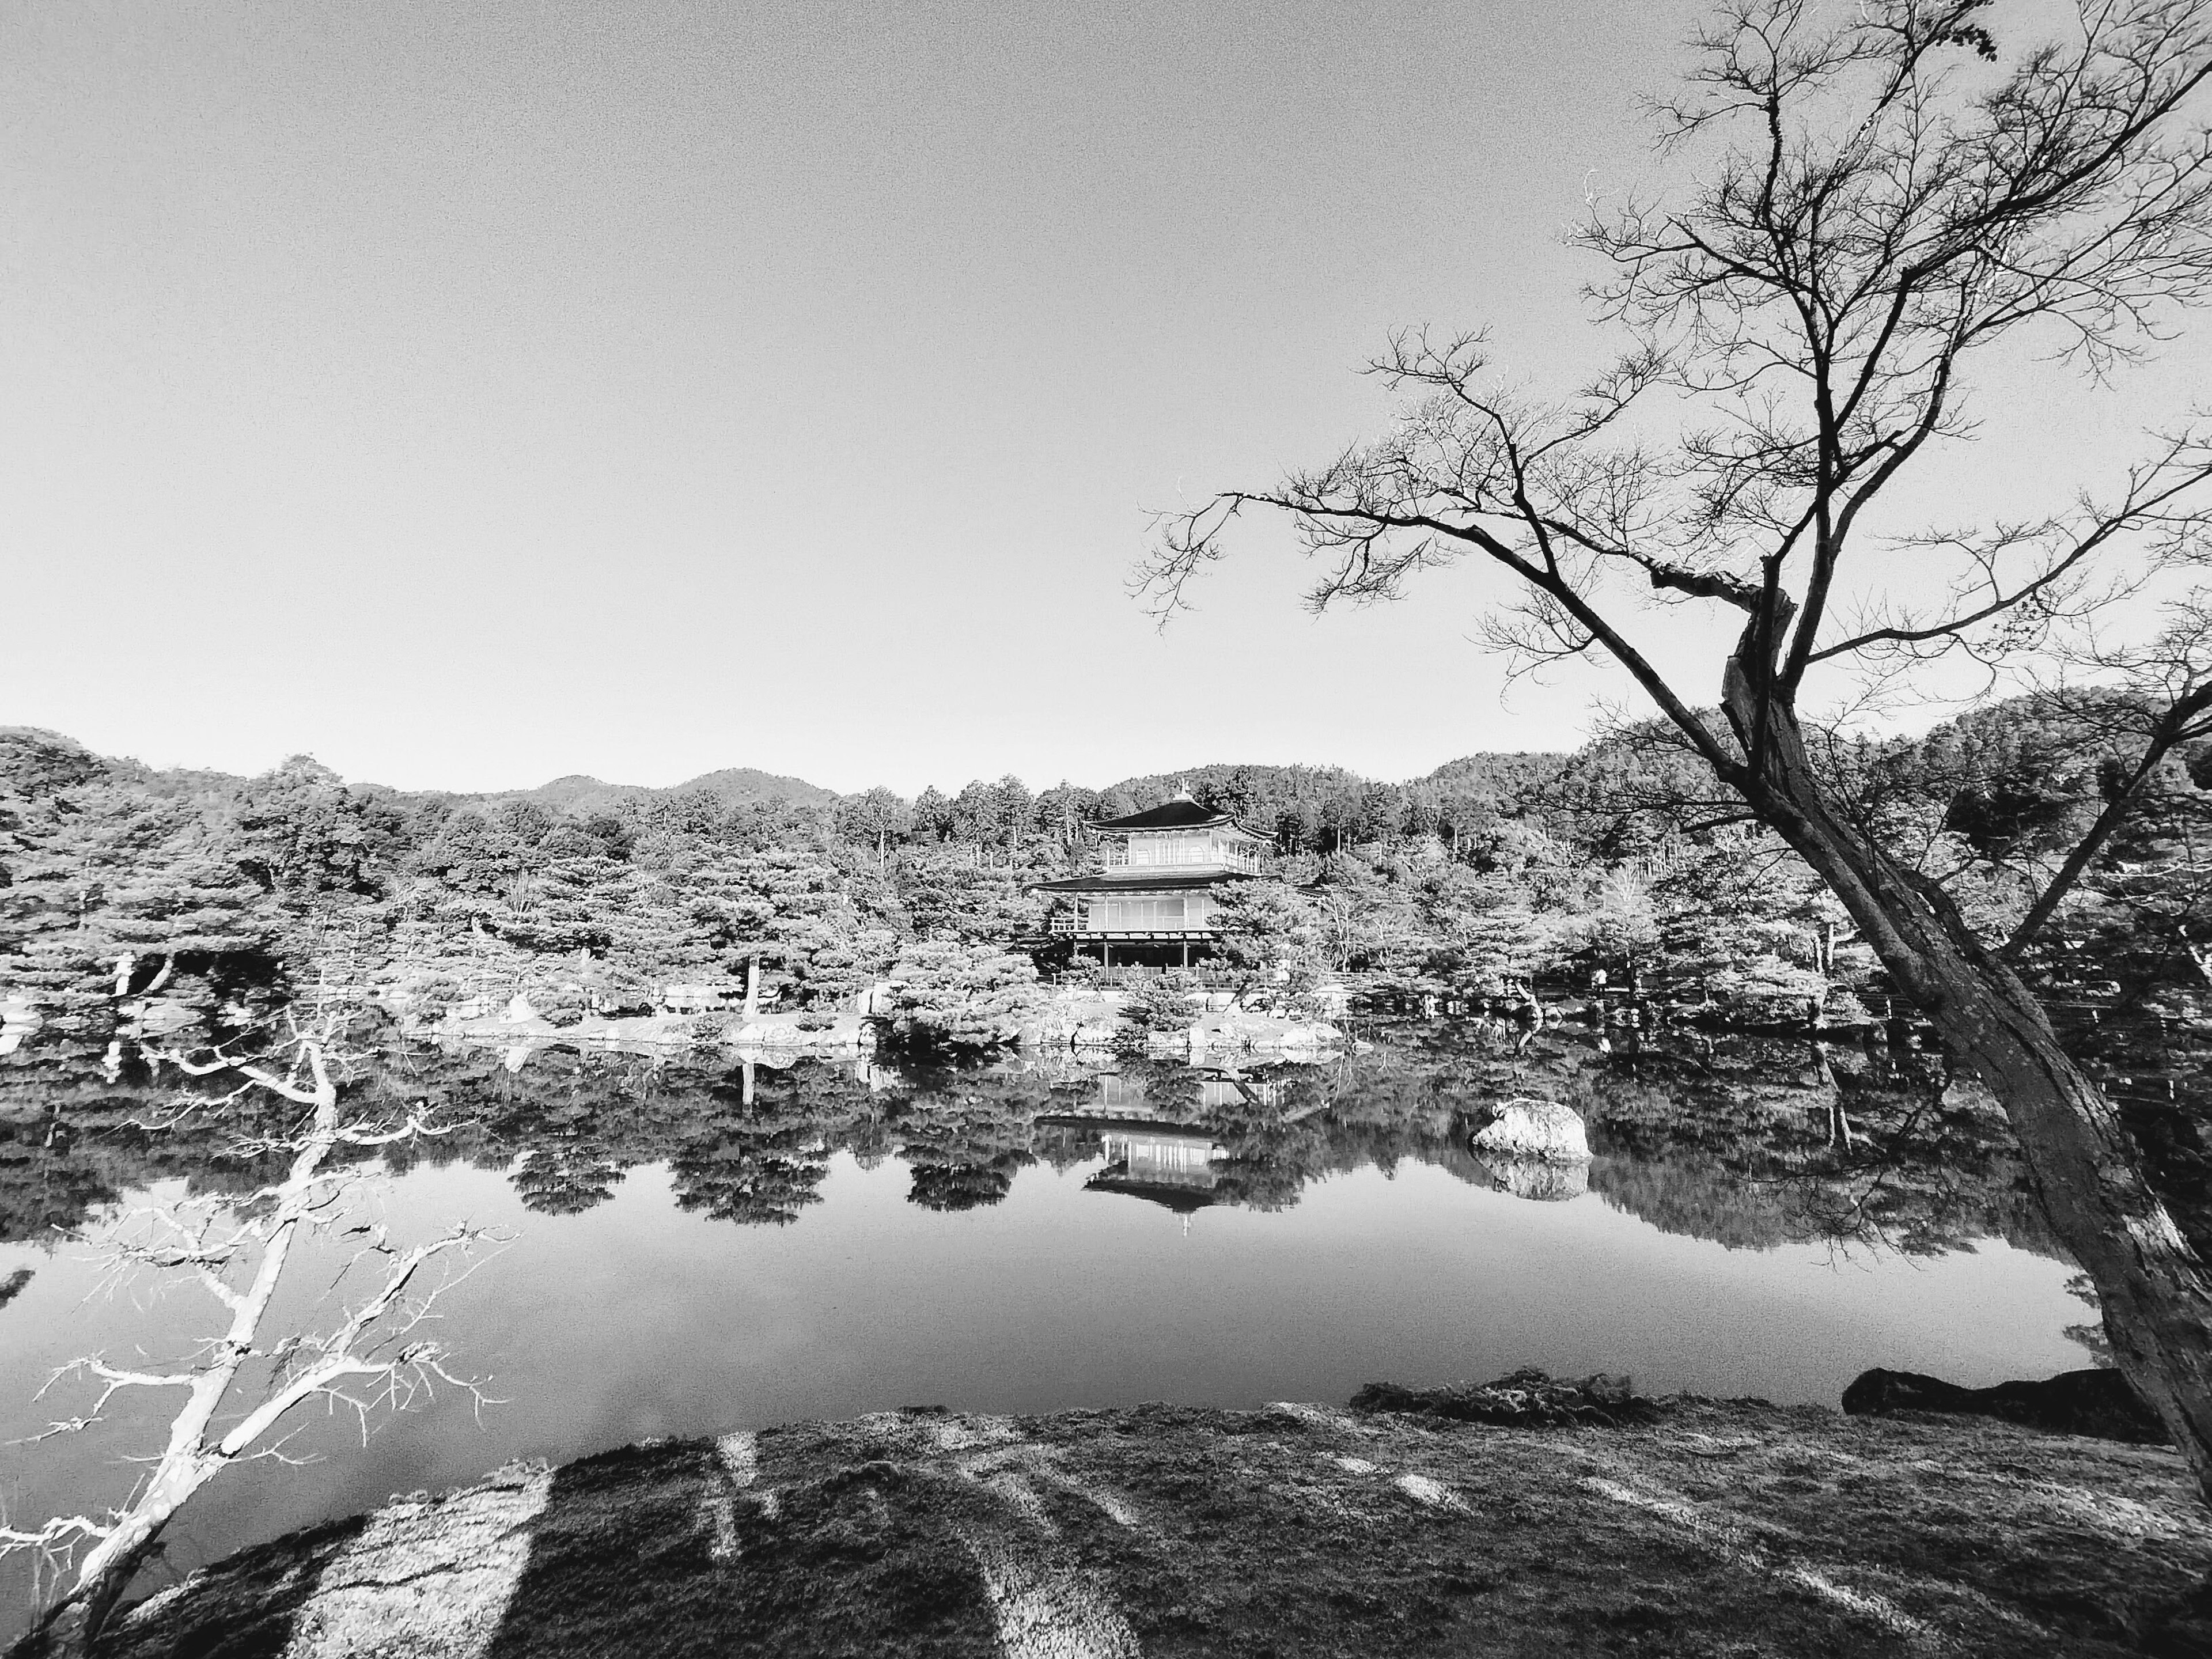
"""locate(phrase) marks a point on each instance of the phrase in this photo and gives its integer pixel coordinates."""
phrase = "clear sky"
(472, 393)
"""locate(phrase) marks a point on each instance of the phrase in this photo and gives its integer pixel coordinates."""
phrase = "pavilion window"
(1143, 915)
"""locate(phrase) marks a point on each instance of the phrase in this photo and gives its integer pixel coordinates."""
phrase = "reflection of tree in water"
(1282, 1127)
(567, 1125)
(73, 1137)
(2159, 1076)
(565, 1178)
(1278, 1135)
(746, 1172)
(1748, 1143)
(763, 1159)
(50, 1176)
(963, 1137)
(1757, 1144)
(1932, 1166)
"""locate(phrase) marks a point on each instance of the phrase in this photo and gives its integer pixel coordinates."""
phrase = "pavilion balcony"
(1082, 927)
(1184, 861)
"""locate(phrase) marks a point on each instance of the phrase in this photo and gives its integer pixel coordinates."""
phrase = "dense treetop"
(1625, 856)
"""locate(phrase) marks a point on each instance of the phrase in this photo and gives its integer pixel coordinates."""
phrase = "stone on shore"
(1525, 1127)
(847, 1032)
(2095, 1402)
(1524, 1399)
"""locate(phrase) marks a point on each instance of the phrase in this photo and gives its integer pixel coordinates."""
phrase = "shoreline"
(1685, 1526)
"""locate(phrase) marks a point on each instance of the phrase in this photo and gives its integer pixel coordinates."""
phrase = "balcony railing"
(1194, 860)
(1082, 927)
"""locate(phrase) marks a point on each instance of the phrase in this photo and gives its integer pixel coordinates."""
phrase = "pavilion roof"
(1137, 880)
(1177, 812)
(1183, 1200)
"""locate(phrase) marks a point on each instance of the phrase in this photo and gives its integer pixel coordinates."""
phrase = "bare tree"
(243, 1382)
(1880, 197)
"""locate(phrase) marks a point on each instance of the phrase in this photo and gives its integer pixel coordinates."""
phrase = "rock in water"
(2093, 1402)
(1534, 1128)
(1547, 1180)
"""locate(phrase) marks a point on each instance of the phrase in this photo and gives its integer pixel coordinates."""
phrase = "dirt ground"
(1712, 1529)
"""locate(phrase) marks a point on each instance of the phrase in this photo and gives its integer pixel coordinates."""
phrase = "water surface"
(700, 1248)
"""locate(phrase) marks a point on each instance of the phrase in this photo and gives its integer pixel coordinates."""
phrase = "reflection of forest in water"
(1748, 1142)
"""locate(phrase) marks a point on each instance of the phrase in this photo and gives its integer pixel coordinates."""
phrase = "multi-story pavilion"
(1151, 900)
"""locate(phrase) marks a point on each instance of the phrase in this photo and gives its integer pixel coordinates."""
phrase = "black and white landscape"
(1170, 999)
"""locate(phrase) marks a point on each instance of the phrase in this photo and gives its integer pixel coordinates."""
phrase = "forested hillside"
(117, 881)
(1326, 808)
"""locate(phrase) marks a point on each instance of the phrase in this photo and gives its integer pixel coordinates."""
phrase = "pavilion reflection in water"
(1120, 1093)
(1174, 1163)
(1169, 1166)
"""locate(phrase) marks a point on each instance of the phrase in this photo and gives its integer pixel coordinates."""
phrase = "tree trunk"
(2156, 1292)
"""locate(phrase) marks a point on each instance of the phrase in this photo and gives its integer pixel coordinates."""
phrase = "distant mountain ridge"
(582, 795)
(1499, 773)
(575, 793)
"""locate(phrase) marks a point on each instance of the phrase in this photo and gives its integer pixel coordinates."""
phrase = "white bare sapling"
(243, 1384)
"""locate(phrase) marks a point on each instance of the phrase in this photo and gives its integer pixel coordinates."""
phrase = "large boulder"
(2099, 1403)
(1525, 1127)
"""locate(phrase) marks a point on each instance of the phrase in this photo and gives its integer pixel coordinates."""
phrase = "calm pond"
(700, 1246)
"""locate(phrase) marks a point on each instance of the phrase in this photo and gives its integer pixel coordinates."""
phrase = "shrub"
(1157, 1006)
(1295, 995)
(429, 995)
(957, 993)
(1082, 971)
(560, 1005)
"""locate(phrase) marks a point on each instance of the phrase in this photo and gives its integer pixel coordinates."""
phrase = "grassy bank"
(1709, 1528)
